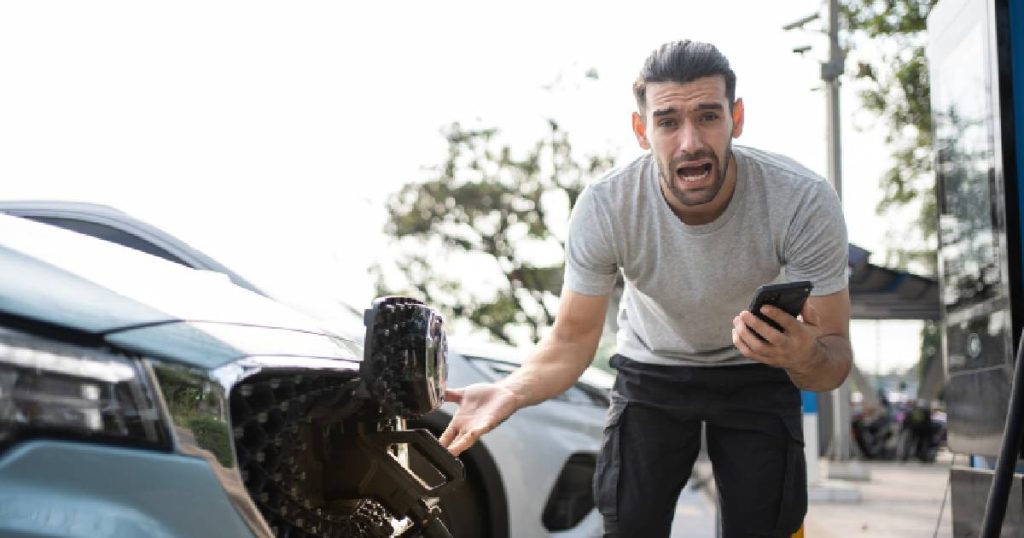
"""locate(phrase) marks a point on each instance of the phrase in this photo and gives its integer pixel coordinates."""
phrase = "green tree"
(483, 237)
(892, 82)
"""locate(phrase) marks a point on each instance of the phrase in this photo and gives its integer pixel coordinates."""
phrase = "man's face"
(689, 129)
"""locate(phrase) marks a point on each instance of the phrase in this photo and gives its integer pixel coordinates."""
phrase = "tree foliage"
(480, 238)
(893, 84)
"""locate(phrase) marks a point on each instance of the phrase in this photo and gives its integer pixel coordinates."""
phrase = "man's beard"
(698, 198)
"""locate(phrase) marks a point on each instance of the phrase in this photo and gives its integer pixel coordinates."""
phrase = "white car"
(529, 478)
(544, 456)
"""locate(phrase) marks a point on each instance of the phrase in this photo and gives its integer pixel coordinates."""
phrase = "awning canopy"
(881, 293)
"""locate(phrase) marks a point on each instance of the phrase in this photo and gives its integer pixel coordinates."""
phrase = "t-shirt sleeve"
(590, 261)
(816, 247)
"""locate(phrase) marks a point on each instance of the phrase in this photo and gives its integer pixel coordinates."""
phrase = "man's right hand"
(482, 407)
(558, 360)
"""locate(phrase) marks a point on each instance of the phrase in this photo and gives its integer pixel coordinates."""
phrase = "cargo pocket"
(793, 507)
(606, 477)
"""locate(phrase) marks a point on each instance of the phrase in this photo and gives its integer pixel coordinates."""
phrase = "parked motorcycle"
(923, 432)
(899, 431)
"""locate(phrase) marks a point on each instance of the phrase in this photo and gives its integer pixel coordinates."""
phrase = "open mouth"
(693, 173)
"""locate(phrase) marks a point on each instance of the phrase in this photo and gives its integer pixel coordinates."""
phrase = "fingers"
(786, 321)
(750, 345)
(458, 439)
(482, 407)
(465, 440)
(737, 340)
(449, 435)
(766, 348)
(450, 395)
(750, 326)
(453, 395)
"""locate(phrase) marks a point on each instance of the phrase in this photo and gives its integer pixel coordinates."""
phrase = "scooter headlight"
(405, 357)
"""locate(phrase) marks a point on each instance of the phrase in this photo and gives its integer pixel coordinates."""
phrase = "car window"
(109, 233)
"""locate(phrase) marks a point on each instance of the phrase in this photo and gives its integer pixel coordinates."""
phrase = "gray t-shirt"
(684, 284)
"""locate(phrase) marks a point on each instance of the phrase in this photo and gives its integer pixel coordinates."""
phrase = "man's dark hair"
(683, 61)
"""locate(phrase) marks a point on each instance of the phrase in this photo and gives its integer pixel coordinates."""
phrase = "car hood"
(209, 345)
(65, 281)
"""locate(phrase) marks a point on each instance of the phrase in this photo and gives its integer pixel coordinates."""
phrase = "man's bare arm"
(562, 356)
(815, 351)
(556, 363)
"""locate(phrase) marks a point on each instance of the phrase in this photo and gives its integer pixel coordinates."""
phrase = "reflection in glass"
(197, 409)
(967, 219)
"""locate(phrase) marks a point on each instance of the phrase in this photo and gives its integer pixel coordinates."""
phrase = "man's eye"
(709, 117)
(667, 123)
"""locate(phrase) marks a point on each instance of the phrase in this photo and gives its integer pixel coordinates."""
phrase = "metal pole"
(830, 72)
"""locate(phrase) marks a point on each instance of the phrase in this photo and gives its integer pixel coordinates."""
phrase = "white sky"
(268, 134)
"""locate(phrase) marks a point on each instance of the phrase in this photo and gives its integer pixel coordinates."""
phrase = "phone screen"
(788, 297)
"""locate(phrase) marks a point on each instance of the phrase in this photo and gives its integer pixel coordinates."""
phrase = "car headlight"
(405, 356)
(49, 389)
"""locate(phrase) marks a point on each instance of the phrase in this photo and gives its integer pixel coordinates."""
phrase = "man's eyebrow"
(668, 111)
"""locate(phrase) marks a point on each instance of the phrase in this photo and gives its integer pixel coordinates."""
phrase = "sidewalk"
(901, 500)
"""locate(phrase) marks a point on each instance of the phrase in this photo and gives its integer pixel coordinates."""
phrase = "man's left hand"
(795, 348)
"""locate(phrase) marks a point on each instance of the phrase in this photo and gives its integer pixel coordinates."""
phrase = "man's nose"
(689, 138)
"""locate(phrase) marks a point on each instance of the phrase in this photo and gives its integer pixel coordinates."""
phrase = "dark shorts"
(752, 421)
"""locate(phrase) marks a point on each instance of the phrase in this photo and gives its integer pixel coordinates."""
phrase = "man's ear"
(640, 130)
(737, 118)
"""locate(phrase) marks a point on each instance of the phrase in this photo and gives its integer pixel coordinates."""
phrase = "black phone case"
(788, 297)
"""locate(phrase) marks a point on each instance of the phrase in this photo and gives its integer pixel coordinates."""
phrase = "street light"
(799, 23)
(830, 72)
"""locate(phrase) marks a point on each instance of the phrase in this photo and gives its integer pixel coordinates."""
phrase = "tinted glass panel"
(968, 223)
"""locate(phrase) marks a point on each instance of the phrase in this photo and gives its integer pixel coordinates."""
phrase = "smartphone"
(788, 297)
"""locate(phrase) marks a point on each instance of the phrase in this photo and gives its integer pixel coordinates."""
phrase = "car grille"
(279, 424)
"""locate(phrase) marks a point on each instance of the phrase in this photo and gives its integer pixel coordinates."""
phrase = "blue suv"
(139, 397)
